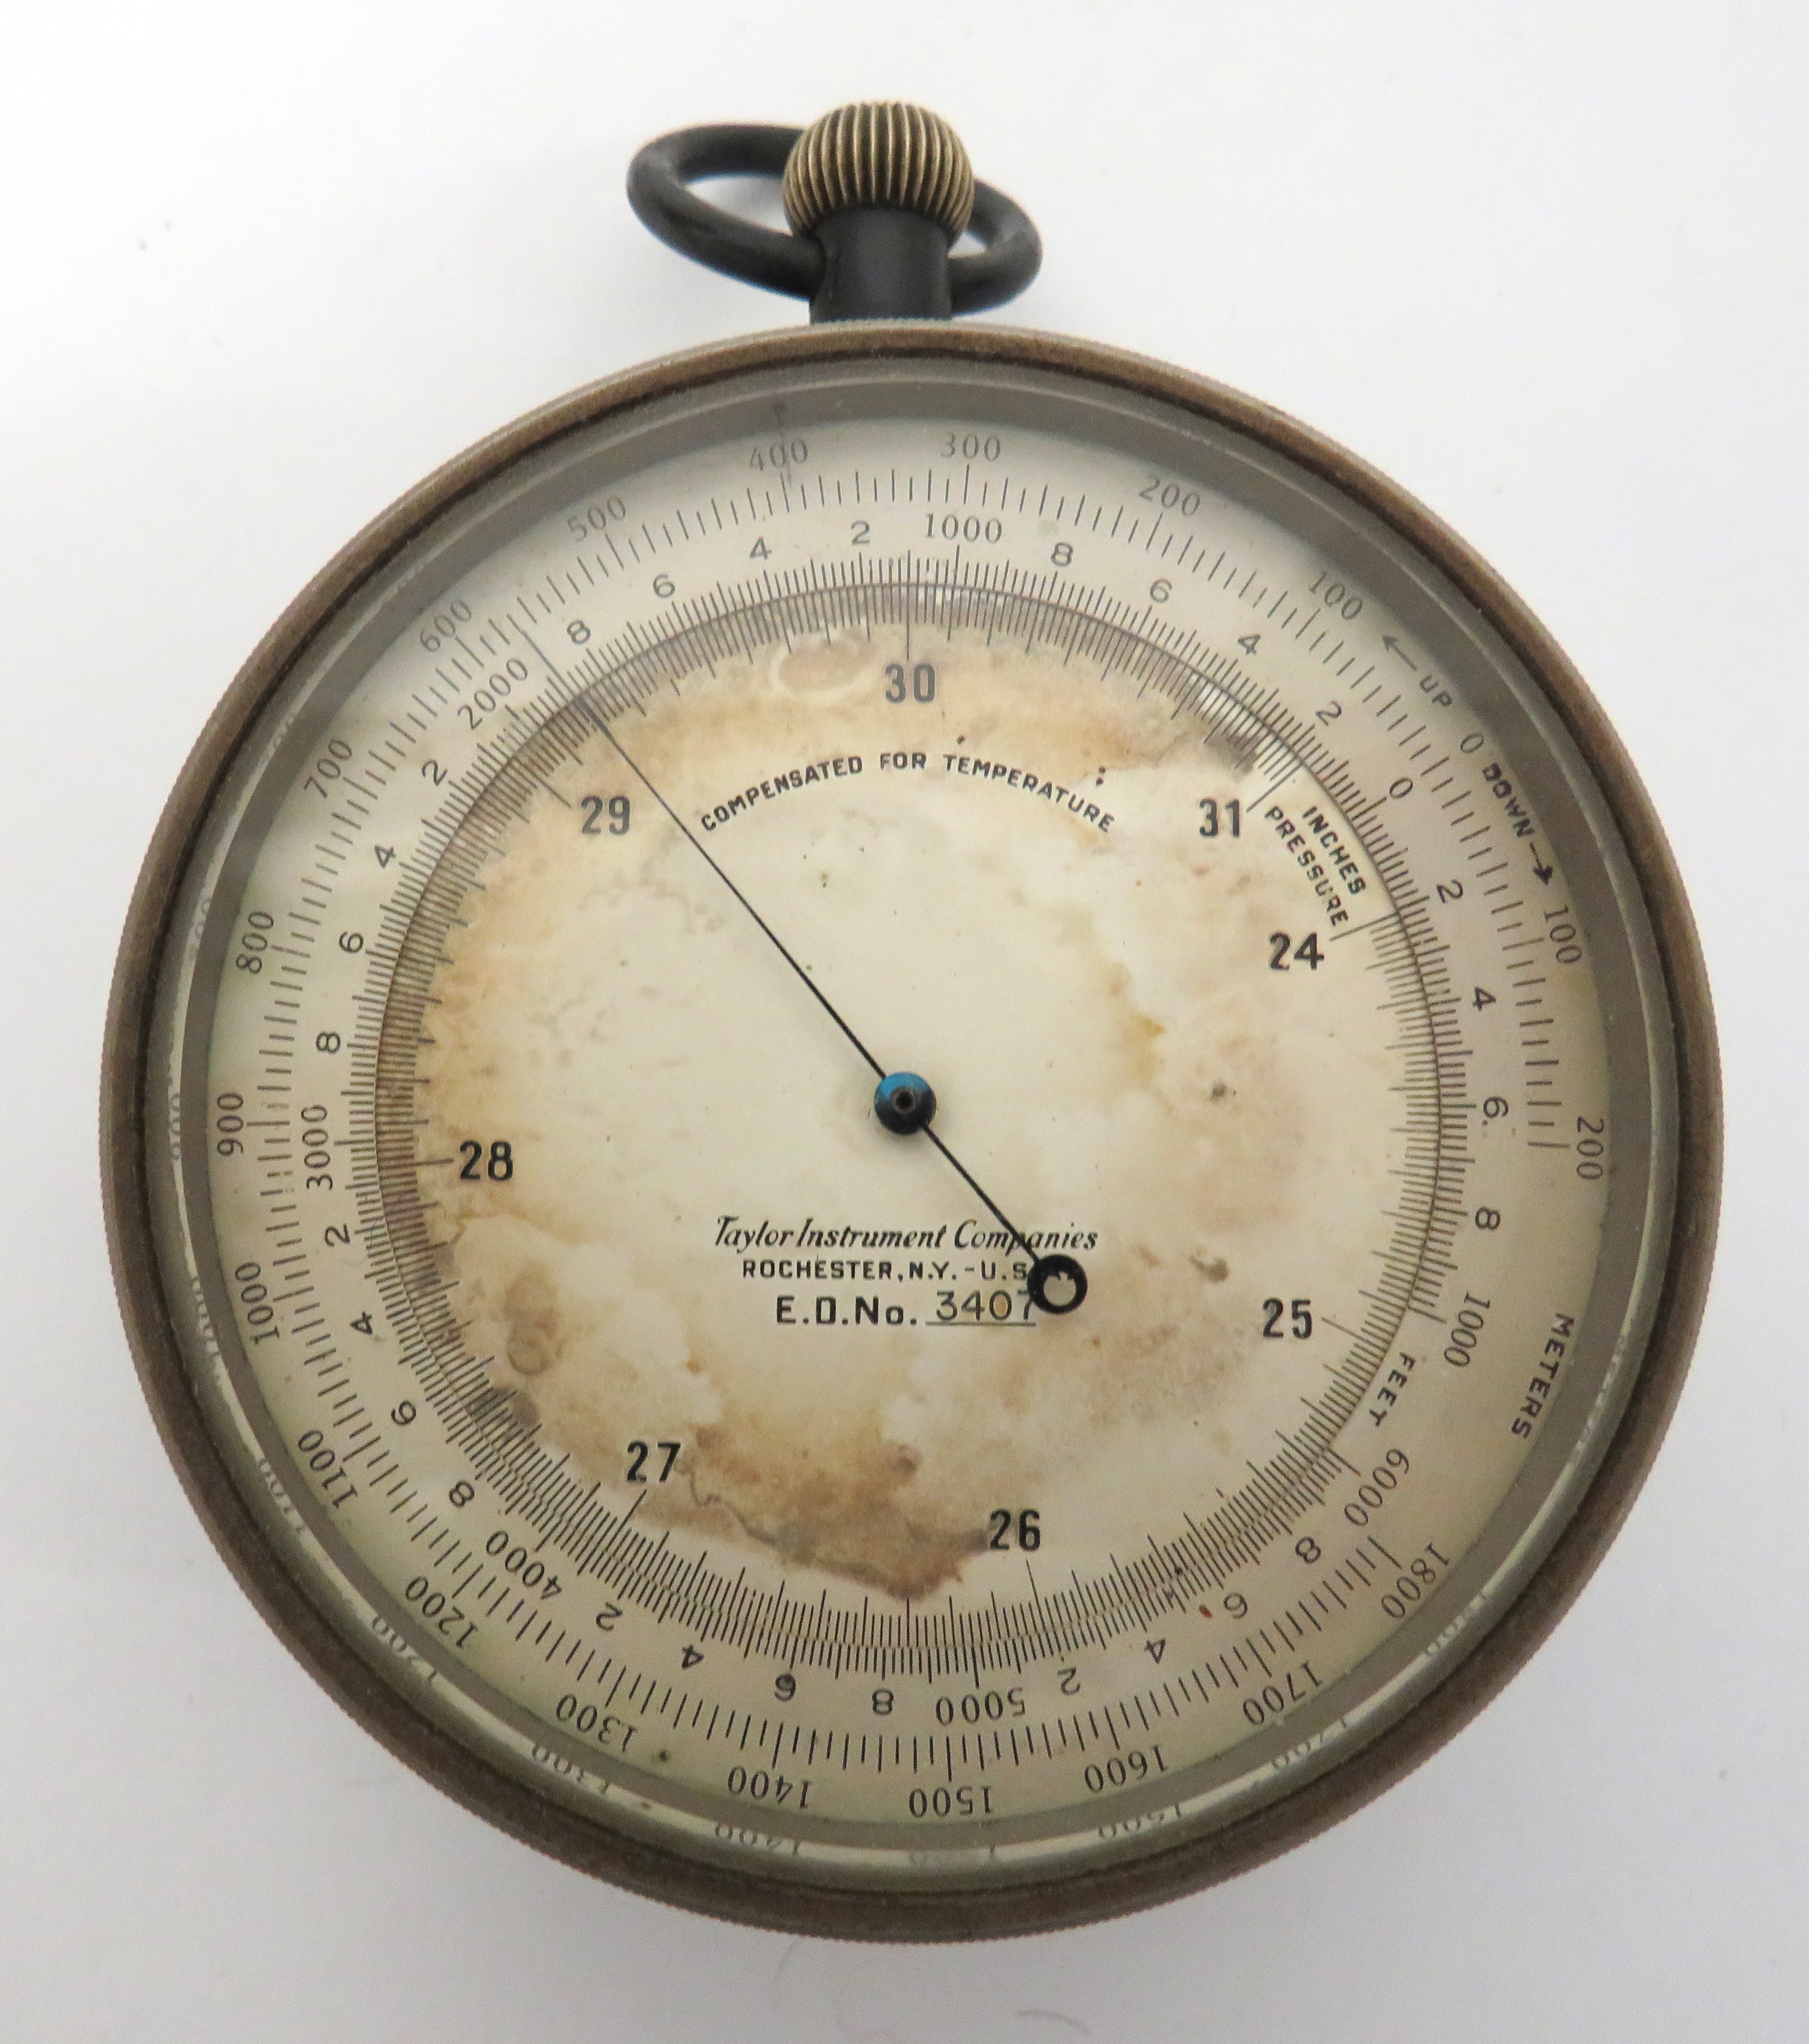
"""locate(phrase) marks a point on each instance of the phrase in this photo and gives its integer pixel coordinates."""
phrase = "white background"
(261, 266)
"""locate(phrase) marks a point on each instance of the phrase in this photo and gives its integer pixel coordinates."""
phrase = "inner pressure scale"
(910, 1132)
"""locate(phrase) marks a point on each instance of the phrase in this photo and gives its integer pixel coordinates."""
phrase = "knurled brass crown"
(879, 154)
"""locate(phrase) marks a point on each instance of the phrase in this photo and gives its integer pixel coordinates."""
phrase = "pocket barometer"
(910, 1131)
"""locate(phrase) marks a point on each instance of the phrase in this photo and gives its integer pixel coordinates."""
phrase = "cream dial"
(697, 1448)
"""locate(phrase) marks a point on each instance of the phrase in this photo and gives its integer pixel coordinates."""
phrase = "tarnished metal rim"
(753, 1896)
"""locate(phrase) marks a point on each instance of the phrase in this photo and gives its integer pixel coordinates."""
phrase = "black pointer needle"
(902, 1101)
(906, 1104)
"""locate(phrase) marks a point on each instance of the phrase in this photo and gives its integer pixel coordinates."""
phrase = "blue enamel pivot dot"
(905, 1103)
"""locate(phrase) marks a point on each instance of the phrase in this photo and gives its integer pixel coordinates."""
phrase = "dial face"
(945, 1506)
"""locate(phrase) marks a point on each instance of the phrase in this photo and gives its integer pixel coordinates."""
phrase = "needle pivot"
(905, 1103)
